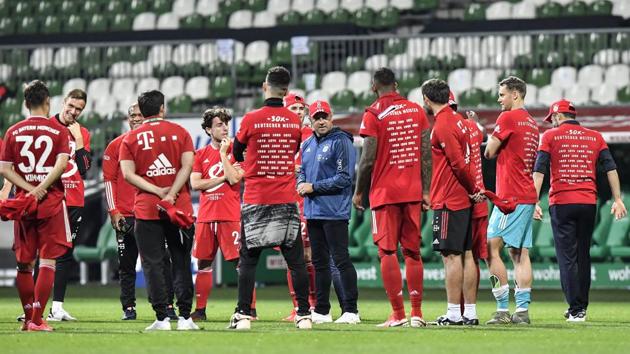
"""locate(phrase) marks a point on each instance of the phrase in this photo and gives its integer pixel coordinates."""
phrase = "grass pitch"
(99, 329)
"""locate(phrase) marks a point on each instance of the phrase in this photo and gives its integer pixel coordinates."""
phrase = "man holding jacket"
(325, 182)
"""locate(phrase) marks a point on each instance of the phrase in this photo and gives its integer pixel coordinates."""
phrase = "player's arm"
(426, 165)
(199, 184)
(238, 150)
(83, 155)
(60, 166)
(453, 153)
(128, 168)
(10, 176)
(233, 173)
(364, 173)
(182, 176)
(541, 168)
(607, 163)
(110, 179)
(6, 189)
(492, 147)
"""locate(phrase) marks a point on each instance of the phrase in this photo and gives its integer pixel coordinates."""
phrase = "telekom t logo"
(145, 139)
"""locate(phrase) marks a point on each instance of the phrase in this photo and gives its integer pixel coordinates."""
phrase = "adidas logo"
(161, 167)
(436, 242)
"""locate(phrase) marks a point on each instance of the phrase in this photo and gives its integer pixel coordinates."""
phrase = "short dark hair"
(77, 94)
(384, 77)
(278, 77)
(569, 115)
(35, 94)
(513, 83)
(150, 103)
(215, 112)
(436, 90)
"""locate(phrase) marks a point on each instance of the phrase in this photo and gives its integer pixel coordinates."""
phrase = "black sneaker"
(566, 314)
(445, 321)
(254, 315)
(170, 312)
(578, 316)
(470, 321)
(199, 315)
(129, 314)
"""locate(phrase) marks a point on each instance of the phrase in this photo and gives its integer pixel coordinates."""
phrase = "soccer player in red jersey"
(452, 188)
(78, 165)
(217, 175)
(270, 215)
(574, 154)
(397, 158)
(157, 159)
(6, 186)
(514, 143)
(33, 157)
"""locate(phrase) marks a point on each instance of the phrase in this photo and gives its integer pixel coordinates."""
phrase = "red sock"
(253, 304)
(312, 298)
(25, 285)
(203, 288)
(43, 287)
(414, 270)
(392, 281)
(291, 289)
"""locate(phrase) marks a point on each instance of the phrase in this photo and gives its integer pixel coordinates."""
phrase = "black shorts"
(452, 230)
(75, 216)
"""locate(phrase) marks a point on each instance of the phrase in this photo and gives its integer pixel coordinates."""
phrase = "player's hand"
(357, 201)
(305, 188)
(297, 168)
(115, 220)
(477, 197)
(472, 115)
(38, 193)
(170, 198)
(162, 192)
(4, 194)
(75, 130)
(426, 202)
(538, 212)
(618, 209)
(225, 145)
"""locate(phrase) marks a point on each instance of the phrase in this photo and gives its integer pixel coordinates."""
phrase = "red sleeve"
(452, 147)
(125, 151)
(6, 153)
(86, 138)
(545, 142)
(369, 125)
(63, 144)
(197, 163)
(188, 144)
(110, 161)
(424, 122)
(602, 143)
(243, 131)
(503, 128)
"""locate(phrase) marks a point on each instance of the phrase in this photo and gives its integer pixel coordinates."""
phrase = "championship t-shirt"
(32, 147)
(519, 137)
(272, 135)
(120, 193)
(156, 148)
(307, 132)
(397, 125)
(476, 139)
(573, 151)
(221, 202)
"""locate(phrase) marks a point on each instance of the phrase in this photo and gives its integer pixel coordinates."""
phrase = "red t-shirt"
(32, 147)
(272, 135)
(397, 125)
(452, 179)
(573, 151)
(120, 193)
(519, 136)
(476, 139)
(72, 180)
(307, 132)
(156, 148)
(222, 202)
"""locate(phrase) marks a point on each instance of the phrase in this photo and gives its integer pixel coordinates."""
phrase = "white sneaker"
(186, 324)
(417, 322)
(157, 325)
(60, 315)
(578, 317)
(238, 321)
(318, 318)
(349, 318)
(304, 322)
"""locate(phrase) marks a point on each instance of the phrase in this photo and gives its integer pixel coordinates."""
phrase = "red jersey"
(32, 147)
(519, 136)
(156, 148)
(307, 132)
(397, 125)
(573, 151)
(272, 135)
(476, 139)
(222, 202)
(120, 193)
(452, 179)
(72, 180)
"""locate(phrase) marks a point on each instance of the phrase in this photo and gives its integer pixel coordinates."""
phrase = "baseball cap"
(176, 215)
(292, 98)
(451, 100)
(319, 106)
(562, 106)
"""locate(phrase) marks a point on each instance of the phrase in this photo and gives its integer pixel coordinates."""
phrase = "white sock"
(453, 312)
(56, 306)
(470, 311)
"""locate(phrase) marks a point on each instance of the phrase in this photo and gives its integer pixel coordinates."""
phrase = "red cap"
(507, 206)
(451, 100)
(175, 215)
(562, 106)
(15, 209)
(291, 98)
(319, 106)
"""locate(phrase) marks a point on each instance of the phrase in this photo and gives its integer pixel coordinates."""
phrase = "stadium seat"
(342, 101)
(564, 77)
(6, 72)
(539, 77)
(167, 21)
(123, 89)
(138, 6)
(460, 80)
(443, 47)
(303, 6)
(576, 8)
(65, 57)
(475, 12)
(543, 244)
(359, 81)
(206, 53)
(617, 76)
(42, 58)
(207, 7)
(418, 47)
(241, 19)
(145, 21)
(340, 16)
(352, 64)
(549, 94)
(99, 88)
(328, 6)
(222, 88)
(590, 76)
(376, 5)
(194, 21)
(106, 249)
(256, 52)
(142, 69)
(351, 5)
(183, 8)
(518, 45)
(485, 79)
(375, 62)
(317, 95)
(165, 70)
(523, 10)
(264, 19)
(278, 6)
(531, 96)
(172, 86)
(360, 235)
(96, 23)
(549, 10)
(618, 242)
(402, 5)
(472, 97)
(218, 20)
(255, 5)
(148, 84)
(160, 54)
(599, 251)
(607, 57)
(104, 106)
(426, 247)
(291, 18)
(621, 8)
(333, 82)
(578, 95)
(415, 95)
(121, 22)
(423, 5)
(162, 6)
(365, 17)
(184, 54)
(500, 10)
(407, 81)
(401, 62)
(314, 17)
(198, 88)
(387, 18)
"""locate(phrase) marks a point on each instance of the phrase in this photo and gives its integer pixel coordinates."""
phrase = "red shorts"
(479, 240)
(209, 236)
(47, 238)
(397, 223)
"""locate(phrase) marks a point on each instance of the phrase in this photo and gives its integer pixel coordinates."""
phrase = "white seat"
(183, 8)
(418, 47)
(76, 83)
(376, 62)
(402, 4)
(460, 80)
(536, 2)
(56, 103)
(172, 87)
(99, 88)
(501, 10)
(121, 69)
(443, 47)
(401, 62)
(504, 60)
(264, 19)
(531, 96)
(485, 79)
(604, 94)
(65, 57)
(241, 19)
(144, 21)
(302, 6)
(563, 2)
(206, 53)
(278, 6)
(142, 69)
(493, 45)
(148, 84)
(415, 95)
(198, 88)
(327, 6)
(359, 81)
(523, 10)
(520, 45)
(160, 54)
(590, 76)
(185, 54)
(123, 88)
(564, 77)
(578, 95)
(607, 57)
(477, 60)
(232, 55)
(317, 95)
(257, 52)
(351, 5)
(168, 21)
(625, 57)
(548, 95)
(621, 8)
(333, 82)
(207, 7)
(376, 5)
(466, 46)
(6, 72)
(42, 58)
(617, 76)
(104, 106)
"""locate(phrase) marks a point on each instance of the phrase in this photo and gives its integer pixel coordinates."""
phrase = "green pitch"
(100, 330)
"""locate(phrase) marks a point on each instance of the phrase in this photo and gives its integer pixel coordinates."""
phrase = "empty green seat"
(255, 5)
(218, 20)
(259, 72)
(194, 21)
(222, 88)
(137, 53)
(576, 8)
(115, 54)
(97, 23)
(601, 7)
(549, 10)
(543, 242)
(340, 16)
(623, 94)
(314, 17)
(475, 12)
(74, 24)
(407, 81)
(539, 77)
(421, 5)
(621, 41)
(365, 17)
(426, 248)
(471, 98)
(281, 53)
(360, 232)
(27, 25)
(51, 24)
(243, 70)
(7, 26)
(106, 249)
(352, 64)
(23, 8)
(227, 7)
(90, 8)
(455, 61)
(364, 99)
(395, 46)
(138, 6)
(618, 242)
(121, 22)
(290, 18)
(428, 62)
(389, 17)
(165, 70)
(599, 251)
(342, 101)
(162, 6)
(191, 70)
(45, 8)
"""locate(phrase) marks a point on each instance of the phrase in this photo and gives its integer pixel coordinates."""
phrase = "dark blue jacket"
(328, 163)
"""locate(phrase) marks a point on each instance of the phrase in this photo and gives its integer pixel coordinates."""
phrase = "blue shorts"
(515, 229)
